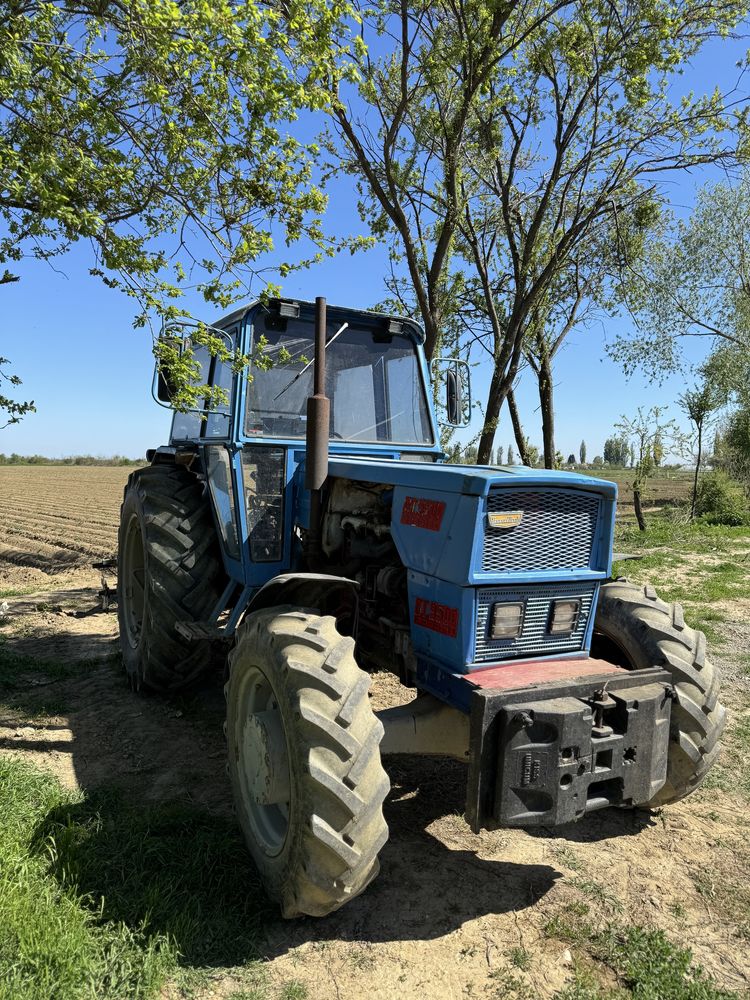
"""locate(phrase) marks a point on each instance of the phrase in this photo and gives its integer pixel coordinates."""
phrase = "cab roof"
(306, 307)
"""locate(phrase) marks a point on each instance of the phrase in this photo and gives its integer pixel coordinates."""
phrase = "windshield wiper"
(309, 363)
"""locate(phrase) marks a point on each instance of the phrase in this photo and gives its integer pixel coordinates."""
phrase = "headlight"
(564, 616)
(507, 620)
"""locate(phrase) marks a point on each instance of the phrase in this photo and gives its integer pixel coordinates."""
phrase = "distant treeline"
(69, 460)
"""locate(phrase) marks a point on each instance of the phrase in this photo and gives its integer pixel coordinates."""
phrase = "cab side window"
(188, 425)
(199, 423)
(219, 423)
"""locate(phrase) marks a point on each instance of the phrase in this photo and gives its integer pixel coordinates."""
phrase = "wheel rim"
(605, 646)
(261, 753)
(134, 576)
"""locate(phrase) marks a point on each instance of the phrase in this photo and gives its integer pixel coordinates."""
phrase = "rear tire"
(636, 629)
(304, 760)
(169, 570)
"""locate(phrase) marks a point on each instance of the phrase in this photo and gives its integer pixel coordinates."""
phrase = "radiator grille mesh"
(534, 640)
(557, 531)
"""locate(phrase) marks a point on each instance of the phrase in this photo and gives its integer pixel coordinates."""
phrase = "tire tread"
(654, 633)
(337, 737)
(185, 575)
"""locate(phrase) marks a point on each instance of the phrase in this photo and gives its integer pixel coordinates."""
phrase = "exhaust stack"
(316, 441)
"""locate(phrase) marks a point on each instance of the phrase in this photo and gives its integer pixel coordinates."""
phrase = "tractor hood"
(468, 480)
(470, 524)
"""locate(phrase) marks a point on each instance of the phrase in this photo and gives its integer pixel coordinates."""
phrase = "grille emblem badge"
(505, 518)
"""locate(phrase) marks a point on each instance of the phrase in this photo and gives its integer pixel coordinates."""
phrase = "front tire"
(304, 760)
(636, 630)
(169, 569)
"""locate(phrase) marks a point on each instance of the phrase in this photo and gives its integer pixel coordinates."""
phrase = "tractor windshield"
(372, 379)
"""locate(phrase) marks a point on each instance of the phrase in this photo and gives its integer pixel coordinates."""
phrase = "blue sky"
(72, 342)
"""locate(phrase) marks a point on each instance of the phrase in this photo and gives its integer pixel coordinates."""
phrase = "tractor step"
(197, 631)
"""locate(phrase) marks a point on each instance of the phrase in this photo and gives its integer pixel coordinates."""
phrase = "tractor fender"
(330, 595)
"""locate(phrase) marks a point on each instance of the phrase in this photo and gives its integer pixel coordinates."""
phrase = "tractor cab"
(376, 379)
(255, 445)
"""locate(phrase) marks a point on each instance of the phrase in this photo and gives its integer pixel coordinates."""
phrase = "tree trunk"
(518, 429)
(694, 501)
(432, 322)
(638, 508)
(507, 358)
(494, 402)
(546, 400)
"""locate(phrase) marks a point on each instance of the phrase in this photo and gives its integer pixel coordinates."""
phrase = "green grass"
(19, 591)
(706, 619)
(598, 894)
(99, 899)
(565, 855)
(645, 963)
(667, 551)
(520, 958)
(290, 991)
(722, 582)
(731, 772)
(570, 923)
(586, 987)
(171, 870)
(506, 985)
(696, 537)
(52, 945)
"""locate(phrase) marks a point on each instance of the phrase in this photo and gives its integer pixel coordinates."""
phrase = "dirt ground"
(450, 910)
(449, 907)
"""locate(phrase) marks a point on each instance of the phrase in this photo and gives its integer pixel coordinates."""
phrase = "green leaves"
(14, 410)
(160, 125)
(694, 281)
(650, 436)
(163, 132)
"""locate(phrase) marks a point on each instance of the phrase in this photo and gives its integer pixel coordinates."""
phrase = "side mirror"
(453, 397)
(456, 378)
(175, 340)
(165, 385)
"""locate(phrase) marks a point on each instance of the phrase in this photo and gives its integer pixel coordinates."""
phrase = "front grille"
(557, 531)
(534, 640)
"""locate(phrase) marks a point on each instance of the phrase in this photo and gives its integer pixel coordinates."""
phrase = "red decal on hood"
(423, 513)
(437, 617)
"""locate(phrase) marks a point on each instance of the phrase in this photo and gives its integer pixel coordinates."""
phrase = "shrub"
(721, 500)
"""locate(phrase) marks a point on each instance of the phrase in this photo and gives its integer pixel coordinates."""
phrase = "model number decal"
(436, 617)
(423, 513)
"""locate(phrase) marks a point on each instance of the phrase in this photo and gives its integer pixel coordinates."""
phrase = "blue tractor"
(309, 533)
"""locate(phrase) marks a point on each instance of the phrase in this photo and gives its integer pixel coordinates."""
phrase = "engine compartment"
(356, 542)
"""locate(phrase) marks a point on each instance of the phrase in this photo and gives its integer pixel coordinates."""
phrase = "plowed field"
(576, 913)
(54, 519)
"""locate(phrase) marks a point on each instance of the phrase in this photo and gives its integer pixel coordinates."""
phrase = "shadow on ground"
(180, 870)
(58, 627)
(166, 871)
(154, 842)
